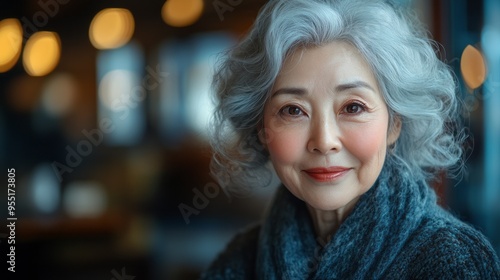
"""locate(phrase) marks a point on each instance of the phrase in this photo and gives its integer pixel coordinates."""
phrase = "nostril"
(324, 135)
(324, 145)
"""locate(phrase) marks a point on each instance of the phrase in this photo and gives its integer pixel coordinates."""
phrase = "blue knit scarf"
(382, 220)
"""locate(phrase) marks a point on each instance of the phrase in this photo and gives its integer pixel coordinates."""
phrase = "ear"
(393, 134)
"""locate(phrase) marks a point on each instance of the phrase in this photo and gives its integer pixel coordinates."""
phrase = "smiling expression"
(327, 124)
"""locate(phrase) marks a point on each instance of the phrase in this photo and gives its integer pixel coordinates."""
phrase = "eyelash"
(282, 111)
(362, 108)
(361, 105)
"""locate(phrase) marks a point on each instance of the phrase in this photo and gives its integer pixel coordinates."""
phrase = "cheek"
(367, 143)
(285, 146)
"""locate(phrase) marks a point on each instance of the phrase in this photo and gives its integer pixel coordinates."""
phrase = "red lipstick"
(326, 174)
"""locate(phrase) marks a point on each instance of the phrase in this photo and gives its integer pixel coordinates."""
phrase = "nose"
(324, 137)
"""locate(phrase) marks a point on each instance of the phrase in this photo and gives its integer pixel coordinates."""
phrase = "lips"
(326, 174)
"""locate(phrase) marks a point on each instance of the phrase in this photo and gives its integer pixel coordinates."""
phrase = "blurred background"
(103, 115)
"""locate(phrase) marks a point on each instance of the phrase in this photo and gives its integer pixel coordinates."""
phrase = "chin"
(331, 201)
(325, 204)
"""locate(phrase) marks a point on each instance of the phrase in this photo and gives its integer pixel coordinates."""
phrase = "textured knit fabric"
(395, 231)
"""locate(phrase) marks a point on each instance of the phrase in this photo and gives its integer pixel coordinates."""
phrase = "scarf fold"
(365, 244)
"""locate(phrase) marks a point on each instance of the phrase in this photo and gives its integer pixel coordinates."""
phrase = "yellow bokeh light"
(180, 13)
(41, 53)
(111, 28)
(11, 38)
(473, 67)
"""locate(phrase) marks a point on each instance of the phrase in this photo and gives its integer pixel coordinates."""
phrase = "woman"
(350, 104)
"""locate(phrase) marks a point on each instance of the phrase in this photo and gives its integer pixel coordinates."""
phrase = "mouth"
(327, 174)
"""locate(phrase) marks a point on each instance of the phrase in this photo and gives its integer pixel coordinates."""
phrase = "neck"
(327, 222)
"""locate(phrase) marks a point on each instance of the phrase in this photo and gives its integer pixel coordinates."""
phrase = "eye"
(291, 111)
(354, 108)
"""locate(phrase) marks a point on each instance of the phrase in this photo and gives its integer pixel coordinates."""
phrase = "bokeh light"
(59, 94)
(84, 199)
(115, 88)
(473, 67)
(11, 38)
(41, 53)
(180, 13)
(46, 189)
(111, 28)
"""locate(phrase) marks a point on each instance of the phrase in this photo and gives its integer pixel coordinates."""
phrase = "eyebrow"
(339, 88)
(354, 84)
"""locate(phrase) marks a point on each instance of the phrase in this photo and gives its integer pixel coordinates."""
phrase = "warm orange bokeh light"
(473, 67)
(41, 53)
(181, 13)
(111, 28)
(11, 38)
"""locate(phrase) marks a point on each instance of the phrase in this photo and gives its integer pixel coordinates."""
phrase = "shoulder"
(237, 261)
(452, 249)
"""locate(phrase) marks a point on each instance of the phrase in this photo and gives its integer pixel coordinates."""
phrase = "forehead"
(337, 60)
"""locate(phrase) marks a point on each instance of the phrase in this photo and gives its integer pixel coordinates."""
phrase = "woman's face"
(326, 126)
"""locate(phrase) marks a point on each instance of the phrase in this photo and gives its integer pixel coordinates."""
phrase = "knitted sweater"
(395, 231)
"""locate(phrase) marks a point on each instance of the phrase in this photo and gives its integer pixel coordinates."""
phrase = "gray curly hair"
(417, 87)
